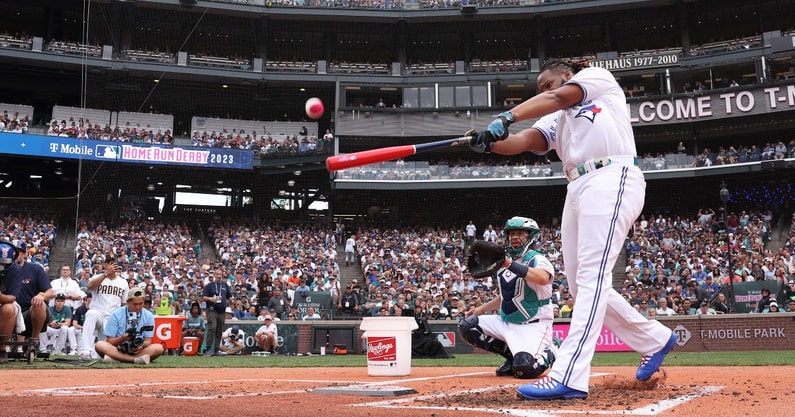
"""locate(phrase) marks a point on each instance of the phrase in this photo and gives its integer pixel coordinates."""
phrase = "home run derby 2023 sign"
(124, 152)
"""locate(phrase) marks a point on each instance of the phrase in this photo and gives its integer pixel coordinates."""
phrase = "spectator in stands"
(311, 314)
(279, 303)
(766, 299)
(567, 309)
(348, 305)
(663, 309)
(772, 307)
(720, 305)
(350, 250)
(705, 310)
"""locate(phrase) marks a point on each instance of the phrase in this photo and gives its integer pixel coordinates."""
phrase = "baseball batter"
(584, 119)
(110, 292)
(522, 332)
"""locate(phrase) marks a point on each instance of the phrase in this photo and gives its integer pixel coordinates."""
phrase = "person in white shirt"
(490, 235)
(582, 115)
(705, 309)
(267, 336)
(69, 288)
(663, 309)
(471, 229)
(311, 314)
(350, 251)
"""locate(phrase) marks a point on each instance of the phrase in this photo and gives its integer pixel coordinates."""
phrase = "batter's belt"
(594, 164)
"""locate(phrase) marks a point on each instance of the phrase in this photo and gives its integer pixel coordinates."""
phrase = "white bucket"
(388, 345)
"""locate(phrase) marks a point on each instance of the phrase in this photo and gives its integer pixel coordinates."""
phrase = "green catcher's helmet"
(521, 223)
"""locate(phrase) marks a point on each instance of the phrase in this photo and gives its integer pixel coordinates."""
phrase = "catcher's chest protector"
(520, 302)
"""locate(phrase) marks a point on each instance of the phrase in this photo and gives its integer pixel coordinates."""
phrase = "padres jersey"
(110, 294)
(520, 300)
(596, 128)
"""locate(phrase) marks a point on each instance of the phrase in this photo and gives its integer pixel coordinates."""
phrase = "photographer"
(232, 341)
(129, 332)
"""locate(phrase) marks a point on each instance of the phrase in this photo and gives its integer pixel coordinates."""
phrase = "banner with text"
(745, 292)
(703, 106)
(607, 342)
(125, 152)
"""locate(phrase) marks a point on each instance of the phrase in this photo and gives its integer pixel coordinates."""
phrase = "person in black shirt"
(349, 303)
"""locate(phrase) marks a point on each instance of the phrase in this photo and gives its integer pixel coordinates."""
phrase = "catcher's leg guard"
(473, 334)
(506, 369)
(525, 366)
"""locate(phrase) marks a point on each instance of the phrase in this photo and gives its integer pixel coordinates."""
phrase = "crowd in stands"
(348, 4)
(264, 257)
(14, 123)
(265, 144)
(85, 129)
(34, 232)
(770, 151)
(471, 169)
(158, 257)
(674, 266)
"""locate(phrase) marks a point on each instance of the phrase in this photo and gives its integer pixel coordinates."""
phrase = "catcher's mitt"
(484, 258)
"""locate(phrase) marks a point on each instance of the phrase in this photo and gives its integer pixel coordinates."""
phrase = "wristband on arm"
(519, 269)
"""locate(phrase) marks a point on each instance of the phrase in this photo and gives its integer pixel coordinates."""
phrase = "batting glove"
(480, 142)
(499, 127)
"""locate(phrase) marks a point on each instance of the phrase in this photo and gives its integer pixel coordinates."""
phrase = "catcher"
(522, 332)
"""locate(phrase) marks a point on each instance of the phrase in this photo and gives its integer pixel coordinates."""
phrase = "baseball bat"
(357, 159)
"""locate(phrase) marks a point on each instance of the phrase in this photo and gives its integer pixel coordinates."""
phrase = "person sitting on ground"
(194, 325)
(128, 333)
(267, 336)
(59, 329)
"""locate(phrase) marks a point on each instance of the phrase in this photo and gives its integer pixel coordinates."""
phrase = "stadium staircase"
(207, 250)
(350, 272)
(620, 270)
(63, 251)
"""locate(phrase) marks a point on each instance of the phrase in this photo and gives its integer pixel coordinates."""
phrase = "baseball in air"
(314, 108)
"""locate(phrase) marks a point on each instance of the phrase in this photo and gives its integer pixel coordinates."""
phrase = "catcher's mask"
(521, 223)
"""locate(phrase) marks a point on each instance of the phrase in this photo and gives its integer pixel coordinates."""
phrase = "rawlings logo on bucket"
(381, 349)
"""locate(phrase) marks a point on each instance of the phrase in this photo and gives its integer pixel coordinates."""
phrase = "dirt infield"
(702, 391)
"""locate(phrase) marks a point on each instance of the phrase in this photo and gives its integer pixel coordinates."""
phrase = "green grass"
(761, 358)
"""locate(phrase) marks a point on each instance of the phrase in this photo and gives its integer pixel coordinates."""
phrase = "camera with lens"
(134, 338)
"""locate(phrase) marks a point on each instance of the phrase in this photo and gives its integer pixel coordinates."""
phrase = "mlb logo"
(107, 151)
(447, 339)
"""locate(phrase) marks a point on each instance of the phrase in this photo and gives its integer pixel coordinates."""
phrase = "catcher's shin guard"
(525, 366)
(473, 334)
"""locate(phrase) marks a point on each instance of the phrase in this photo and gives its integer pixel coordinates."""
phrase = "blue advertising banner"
(124, 152)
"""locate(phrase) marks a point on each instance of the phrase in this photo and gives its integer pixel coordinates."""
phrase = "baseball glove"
(484, 258)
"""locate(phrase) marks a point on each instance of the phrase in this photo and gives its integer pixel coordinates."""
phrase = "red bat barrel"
(357, 159)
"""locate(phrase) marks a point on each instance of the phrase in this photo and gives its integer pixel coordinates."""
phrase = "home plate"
(369, 390)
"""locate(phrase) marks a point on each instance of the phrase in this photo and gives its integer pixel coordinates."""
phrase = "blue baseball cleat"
(548, 389)
(649, 364)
